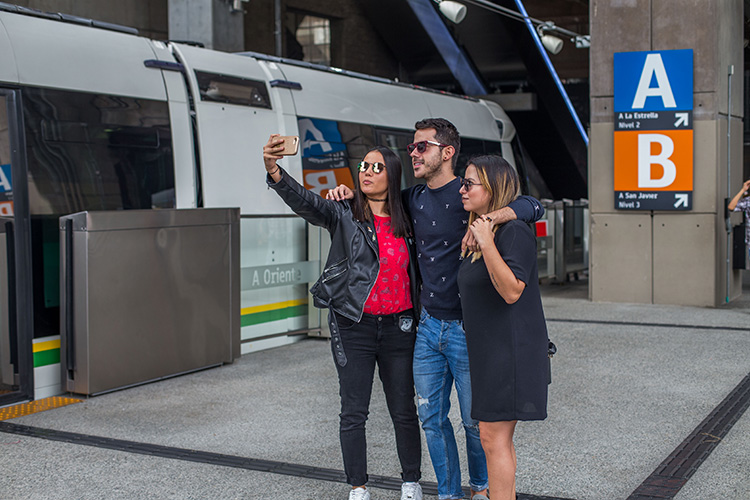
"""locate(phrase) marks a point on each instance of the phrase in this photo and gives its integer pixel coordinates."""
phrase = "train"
(94, 117)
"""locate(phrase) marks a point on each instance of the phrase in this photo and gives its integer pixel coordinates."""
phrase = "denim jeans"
(440, 358)
(377, 339)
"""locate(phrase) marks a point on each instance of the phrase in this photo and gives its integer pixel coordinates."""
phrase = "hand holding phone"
(291, 144)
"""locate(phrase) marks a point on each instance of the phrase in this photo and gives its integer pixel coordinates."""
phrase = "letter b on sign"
(647, 158)
(657, 161)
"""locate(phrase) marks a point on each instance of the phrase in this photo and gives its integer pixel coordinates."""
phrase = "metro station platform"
(646, 402)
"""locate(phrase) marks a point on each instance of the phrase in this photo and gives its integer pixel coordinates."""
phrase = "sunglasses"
(377, 167)
(467, 184)
(421, 146)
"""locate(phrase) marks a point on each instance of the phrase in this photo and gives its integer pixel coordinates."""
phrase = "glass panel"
(8, 347)
(96, 152)
(314, 35)
(6, 182)
(88, 152)
(469, 148)
(232, 90)
(330, 151)
(397, 142)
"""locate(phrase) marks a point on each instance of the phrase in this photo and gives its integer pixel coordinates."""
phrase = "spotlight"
(553, 44)
(453, 11)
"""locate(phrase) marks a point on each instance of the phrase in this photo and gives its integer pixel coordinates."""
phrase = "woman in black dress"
(506, 334)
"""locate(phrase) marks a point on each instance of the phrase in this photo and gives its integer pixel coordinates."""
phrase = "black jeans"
(377, 339)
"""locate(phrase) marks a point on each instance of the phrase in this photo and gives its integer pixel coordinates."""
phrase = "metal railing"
(563, 239)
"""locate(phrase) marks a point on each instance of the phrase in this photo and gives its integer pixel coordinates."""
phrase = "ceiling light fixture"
(552, 43)
(455, 12)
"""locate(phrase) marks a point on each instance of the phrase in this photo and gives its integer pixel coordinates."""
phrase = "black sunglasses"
(377, 167)
(421, 146)
(467, 184)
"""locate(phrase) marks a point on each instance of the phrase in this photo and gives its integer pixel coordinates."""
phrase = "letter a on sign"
(654, 68)
(653, 81)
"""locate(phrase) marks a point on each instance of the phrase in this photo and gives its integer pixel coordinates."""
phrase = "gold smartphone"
(291, 144)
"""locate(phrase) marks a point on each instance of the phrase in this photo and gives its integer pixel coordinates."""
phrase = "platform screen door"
(16, 362)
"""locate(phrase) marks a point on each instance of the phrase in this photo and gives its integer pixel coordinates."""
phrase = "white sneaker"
(361, 494)
(411, 491)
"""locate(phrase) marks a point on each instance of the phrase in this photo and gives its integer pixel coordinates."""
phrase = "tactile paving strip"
(19, 410)
(667, 480)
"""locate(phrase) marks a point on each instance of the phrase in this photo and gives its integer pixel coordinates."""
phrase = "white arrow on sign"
(681, 200)
(682, 119)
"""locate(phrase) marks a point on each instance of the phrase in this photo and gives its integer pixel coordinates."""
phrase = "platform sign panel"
(653, 143)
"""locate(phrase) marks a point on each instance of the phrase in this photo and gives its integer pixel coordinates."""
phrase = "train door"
(16, 365)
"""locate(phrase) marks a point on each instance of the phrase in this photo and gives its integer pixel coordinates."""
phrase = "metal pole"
(729, 175)
(277, 29)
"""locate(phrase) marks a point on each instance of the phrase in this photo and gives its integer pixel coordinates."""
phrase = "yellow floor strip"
(37, 406)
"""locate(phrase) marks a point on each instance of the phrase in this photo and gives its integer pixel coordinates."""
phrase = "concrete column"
(665, 257)
(210, 22)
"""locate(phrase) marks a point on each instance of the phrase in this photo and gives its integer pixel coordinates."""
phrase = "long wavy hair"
(400, 226)
(500, 180)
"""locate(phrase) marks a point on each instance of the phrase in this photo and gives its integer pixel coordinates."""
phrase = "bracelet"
(277, 169)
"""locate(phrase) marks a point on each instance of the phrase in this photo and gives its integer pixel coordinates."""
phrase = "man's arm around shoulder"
(524, 208)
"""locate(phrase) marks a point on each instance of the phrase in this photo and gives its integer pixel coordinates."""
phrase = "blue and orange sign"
(653, 142)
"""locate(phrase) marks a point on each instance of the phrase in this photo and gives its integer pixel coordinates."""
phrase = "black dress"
(507, 343)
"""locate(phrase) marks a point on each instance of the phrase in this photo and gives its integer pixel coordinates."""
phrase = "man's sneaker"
(360, 494)
(411, 491)
(479, 496)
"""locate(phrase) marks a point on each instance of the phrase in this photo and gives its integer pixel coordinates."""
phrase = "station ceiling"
(485, 37)
(500, 51)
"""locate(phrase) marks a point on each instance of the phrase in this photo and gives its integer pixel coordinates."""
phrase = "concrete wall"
(667, 257)
(210, 22)
(148, 16)
(355, 44)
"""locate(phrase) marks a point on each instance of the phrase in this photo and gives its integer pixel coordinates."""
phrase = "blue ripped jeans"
(440, 359)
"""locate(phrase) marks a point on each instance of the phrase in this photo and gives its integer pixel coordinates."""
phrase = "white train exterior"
(99, 119)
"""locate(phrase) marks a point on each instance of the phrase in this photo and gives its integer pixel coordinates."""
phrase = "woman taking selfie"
(506, 334)
(369, 286)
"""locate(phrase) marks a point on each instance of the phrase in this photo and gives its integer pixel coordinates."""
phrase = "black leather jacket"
(353, 264)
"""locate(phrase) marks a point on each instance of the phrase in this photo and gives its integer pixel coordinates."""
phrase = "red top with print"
(391, 293)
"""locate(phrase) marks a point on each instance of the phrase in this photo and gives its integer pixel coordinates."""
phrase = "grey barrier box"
(147, 294)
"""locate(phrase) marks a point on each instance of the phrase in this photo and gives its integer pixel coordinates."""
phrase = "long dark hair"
(400, 226)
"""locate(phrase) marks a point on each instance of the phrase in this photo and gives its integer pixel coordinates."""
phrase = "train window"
(330, 151)
(397, 140)
(232, 90)
(110, 136)
(96, 152)
(469, 148)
